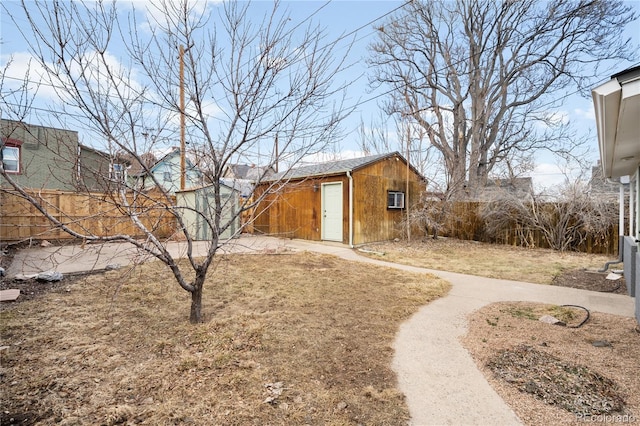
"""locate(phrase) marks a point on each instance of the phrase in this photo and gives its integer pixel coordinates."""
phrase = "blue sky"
(340, 18)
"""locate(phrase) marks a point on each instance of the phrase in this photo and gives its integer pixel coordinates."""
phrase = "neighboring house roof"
(617, 108)
(335, 167)
(138, 166)
(243, 186)
(495, 188)
(209, 186)
(246, 171)
(97, 151)
(137, 169)
(601, 186)
(512, 184)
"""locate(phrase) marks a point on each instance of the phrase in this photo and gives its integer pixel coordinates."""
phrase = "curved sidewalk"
(440, 380)
(437, 375)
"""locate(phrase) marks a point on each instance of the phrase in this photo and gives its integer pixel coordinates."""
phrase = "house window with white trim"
(395, 200)
(11, 152)
(118, 172)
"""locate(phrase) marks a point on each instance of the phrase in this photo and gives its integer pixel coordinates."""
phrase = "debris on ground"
(549, 319)
(9, 295)
(275, 390)
(49, 276)
(573, 387)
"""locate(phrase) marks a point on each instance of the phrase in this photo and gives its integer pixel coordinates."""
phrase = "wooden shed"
(354, 201)
(199, 203)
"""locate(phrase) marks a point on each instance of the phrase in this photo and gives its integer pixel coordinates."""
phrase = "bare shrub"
(565, 221)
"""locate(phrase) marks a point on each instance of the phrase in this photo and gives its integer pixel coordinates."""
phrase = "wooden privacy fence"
(96, 214)
(86, 213)
(463, 221)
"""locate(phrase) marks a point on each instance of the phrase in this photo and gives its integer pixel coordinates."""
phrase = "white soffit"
(627, 143)
(617, 110)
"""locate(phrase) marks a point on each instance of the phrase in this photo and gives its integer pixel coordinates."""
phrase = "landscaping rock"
(49, 276)
(551, 320)
(23, 277)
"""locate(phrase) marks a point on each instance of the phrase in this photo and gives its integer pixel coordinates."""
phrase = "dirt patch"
(590, 280)
(288, 339)
(31, 288)
(551, 374)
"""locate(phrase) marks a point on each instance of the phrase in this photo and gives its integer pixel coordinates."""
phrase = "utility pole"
(406, 195)
(182, 124)
(277, 154)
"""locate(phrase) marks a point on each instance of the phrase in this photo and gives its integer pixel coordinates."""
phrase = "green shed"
(197, 204)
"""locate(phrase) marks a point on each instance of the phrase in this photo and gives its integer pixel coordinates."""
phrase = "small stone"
(530, 387)
(22, 277)
(601, 343)
(147, 401)
(45, 243)
(341, 406)
(551, 320)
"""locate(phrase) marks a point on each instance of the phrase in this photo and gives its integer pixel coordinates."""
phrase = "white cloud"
(556, 118)
(588, 113)
(21, 66)
(155, 14)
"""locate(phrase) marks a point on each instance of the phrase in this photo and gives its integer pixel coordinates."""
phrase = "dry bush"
(565, 221)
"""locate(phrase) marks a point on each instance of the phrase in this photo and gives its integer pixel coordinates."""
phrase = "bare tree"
(246, 84)
(481, 76)
(396, 133)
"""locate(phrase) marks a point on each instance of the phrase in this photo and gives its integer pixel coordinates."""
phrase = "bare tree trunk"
(196, 301)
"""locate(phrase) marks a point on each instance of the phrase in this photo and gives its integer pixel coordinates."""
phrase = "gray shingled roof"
(330, 168)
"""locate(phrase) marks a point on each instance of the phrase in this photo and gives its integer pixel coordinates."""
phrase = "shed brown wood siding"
(372, 220)
(294, 210)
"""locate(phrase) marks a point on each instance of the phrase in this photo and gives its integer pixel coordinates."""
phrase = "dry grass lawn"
(288, 339)
(487, 260)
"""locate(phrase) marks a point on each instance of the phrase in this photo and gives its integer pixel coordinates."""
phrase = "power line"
(328, 45)
(344, 36)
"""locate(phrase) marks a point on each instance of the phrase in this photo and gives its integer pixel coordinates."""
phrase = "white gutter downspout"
(620, 229)
(638, 205)
(632, 209)
(350, 209)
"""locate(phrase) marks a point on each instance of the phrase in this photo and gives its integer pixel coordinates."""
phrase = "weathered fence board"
(86, 213)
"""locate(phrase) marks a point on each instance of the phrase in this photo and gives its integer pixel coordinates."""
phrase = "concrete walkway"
(441, 382)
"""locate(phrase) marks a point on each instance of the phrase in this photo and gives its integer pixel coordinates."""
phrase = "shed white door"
(332, 211)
